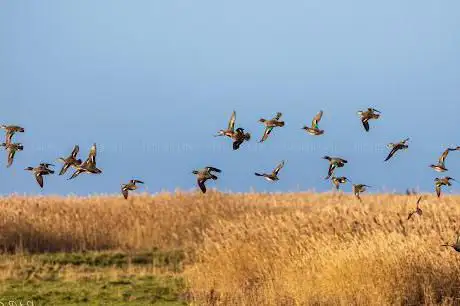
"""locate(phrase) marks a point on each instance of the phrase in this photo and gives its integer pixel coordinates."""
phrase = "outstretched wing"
(438, 190)
(316, 120)
(231, 123)
(9, 136)
(267, 132)
(201, 185)
(444, 154)
(11, 154)
(124, 191)
(236, 144)
(330, 171)
(213, 169)
(392, 152)
(75, 151)
(278, 168)
(91, 160)
(39, 179)
(137, 181)
(75, 174)
(278, 116)
(336, 183)
(365, 122)
(64, 169)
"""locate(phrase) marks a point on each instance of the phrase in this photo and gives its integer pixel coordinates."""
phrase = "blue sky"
(151, 81)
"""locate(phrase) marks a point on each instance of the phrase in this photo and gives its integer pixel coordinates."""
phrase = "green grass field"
(115, 278)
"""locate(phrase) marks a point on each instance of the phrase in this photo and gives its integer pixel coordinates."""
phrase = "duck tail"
(280, 123)
(247, 136)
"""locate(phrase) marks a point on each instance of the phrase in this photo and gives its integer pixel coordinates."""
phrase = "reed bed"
(262, 249)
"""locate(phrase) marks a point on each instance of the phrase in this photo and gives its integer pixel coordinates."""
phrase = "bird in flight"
(131, 186)
(205, 174)
(273, 176)
(336, 181)
(70, 161)
(417, 210)
(439, 182)
(370, 113)
(270, 125)
(230, 128)
(40, 171)
(334, 162)
(358, 189)
(12, 148)
(314, 129)
(238, 136)
(89, 165)
(441, 165)
(10, 131)
(395, 147)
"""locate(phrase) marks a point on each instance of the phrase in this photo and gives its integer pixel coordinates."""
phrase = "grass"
(230, 249)
(93, 278)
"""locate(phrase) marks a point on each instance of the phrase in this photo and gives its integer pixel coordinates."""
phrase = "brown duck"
(89, 165)
(441, 165)
(395, 147)
(439, 182)
(131, 186)
(334, 162)
(417, 210)
(70, 161)
(10, 131)
(270, 125)
(12, 148)
(314, 129)
(370, 113)
(358, 189)
(205, 174)
(40, 171)
(273, 176)
(230, 128)
(336, 181)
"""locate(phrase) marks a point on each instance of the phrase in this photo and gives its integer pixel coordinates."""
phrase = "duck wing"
(267, 132)
(365, 122)
(202, 185)
(231, 123)
(316, 120)
(278, 168)
(39, 178)
(392, 152)
(75, 151)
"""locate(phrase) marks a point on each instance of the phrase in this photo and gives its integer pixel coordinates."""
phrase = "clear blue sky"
(151, 81)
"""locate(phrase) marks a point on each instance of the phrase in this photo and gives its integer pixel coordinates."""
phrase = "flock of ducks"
(238, 137)
(87, 166)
